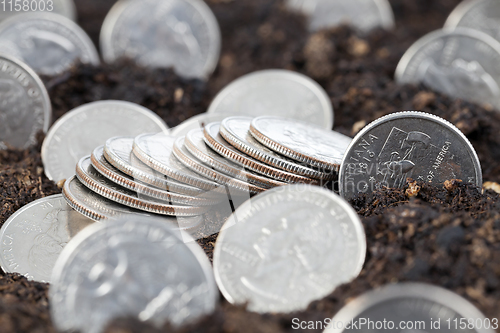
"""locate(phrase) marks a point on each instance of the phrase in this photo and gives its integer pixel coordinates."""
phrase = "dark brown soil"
(445, 236)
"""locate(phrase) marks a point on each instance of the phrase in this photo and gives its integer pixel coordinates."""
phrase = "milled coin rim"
(226, 168)
(198, 167)
(76, 205)
(417, 290)
(137, 203)
(135, 186)
(109, 24)
(227, 133)
(419, 115)
(271, 144)
(459, 11)
(161, 182)
(254, 165)
(91, 106)
(239, 215)
(318, 91)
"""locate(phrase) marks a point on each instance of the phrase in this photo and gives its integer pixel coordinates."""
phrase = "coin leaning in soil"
(287, 247)
(187, 35)
(301, 141)
(460, 63)
(131, 267)
(78, 132)
(49, 43)
(406, 145)
(432, 308)
(26, 107)
(276, 92)
(34, 236)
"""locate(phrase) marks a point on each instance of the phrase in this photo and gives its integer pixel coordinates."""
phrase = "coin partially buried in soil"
(407, 145)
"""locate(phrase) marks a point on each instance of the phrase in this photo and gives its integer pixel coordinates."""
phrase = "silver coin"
(236, 131)
(63, 7)
(196, 145)
(48, 43)
(196, 122)
(179, 33)
(133, 267)
(79, 131)
(25, 104)
(118, 152)
(91, 178)
(460, 63)
(482, 15)
(157, 151)
(34, 236)
(421, 305)
(301, 141)
(276, 92)
(364, 15)
(287, 247)
(405, 145)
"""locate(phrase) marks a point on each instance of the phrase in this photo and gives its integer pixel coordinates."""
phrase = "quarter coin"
(405, 145)
(34, 236)
(236, 131)
(49, 43)
(134, 267)
(276, 92)
(26, 107)
(196, 122)
(364, 15)
(215, 141)
(461, 63)
(183, 34)
(418, 304)
(301, 141)
(78, 132)
(89, 177)
(196, 145)
(287, 247)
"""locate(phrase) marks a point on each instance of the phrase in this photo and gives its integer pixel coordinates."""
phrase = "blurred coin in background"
(364, 15)
(183, 34)
(81, 130)
(25, 107)
(276, 92)
(63, 7)
(49, 43)
(420, 307)
(32, 238)
(482, 15)
(461, 63)
(136, 267)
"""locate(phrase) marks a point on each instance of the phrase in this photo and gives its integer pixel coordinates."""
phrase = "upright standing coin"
(460, 63)
(301, 141)
(287, 247)
(33, 237)
(25, 107)
(482, 15)
(134, 267)
(236, 131)
(407, 145)
(276, 92)
(179, 33)
(79, 131)
(63, 7)
(364, 15)
(419, 304)
(48, 43)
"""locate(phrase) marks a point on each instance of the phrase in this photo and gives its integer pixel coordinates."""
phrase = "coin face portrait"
(14, 103)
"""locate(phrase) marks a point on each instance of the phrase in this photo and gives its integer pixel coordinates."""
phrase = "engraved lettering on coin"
(48, 43)
(287, 247)
(461, 63)
(32, 239)
(407, 145)
(276, 92)
(179, 33)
